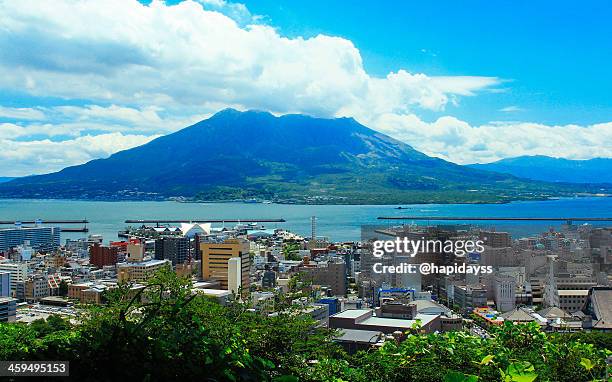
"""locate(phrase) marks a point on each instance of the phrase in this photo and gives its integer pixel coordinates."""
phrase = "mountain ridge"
(550, 169)
(292, 158)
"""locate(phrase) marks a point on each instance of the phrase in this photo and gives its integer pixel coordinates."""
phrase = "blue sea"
(337, 222)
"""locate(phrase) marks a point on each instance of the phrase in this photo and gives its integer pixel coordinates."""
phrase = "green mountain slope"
(293, 158)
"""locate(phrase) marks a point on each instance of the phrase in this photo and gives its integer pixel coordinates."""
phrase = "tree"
(166, 332)
(62, 289)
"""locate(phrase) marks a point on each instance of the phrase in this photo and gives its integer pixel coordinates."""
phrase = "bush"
(167, 333)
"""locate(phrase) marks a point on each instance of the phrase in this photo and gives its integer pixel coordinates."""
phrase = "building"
(364, 319)
(599, 309)
(40, 238)
(173, 248)
(268, 279)
(469, 297)
(5, 284)
(139, 271)
(431, 307)
(335, 304)
(101, 256)
(135, 251)
(234, 274)
(496, 239)
(36, 287)
(75, 290)
(18, 271)
(8, 309)
(190, 230)
(504, 289)
(331, 274)
(518, 315)
(354, 340)
(572, 300)
(215, 261)
(24, 251)
(221, 296)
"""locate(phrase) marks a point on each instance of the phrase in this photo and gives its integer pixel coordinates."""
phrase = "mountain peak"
(297, 158)
(230, 111)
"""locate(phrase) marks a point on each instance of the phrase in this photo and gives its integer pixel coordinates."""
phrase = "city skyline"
(84, 82)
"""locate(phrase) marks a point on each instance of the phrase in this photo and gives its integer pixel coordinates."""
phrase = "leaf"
(455, 376)
(487, 359)
(286, 378)
(520, 372)
(587, 363)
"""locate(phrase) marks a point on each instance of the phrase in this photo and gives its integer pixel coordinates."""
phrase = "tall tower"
(313, 228)
(551, 294)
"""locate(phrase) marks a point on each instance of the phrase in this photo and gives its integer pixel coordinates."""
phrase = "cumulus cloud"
(455, 140)
(25, 113)
(187, 55)
(152, 69)
(21, 157)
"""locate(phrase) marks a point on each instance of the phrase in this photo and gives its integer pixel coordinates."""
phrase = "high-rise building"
(215, 261)
(331, 274)
(234, 274)
(101, 256)
(5, 284)
(175, 249)
(40, 238)
(8, 309)
(18, 271)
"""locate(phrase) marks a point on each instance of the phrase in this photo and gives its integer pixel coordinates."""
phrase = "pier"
(41, 221)
(568, 220)
(178, 221)
(5, 222)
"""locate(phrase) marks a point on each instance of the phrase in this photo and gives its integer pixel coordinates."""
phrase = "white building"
(234, 274)
(18, 271)
(504, 289)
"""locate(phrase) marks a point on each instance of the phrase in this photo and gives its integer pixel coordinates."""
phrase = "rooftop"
(574, 292)
(146, 263)
(397, 322)
(356, 335)
(352, 313)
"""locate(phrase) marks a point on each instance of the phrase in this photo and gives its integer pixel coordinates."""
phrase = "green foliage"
(63, 288)
(290, 250)
(519, 372)
(165, 332)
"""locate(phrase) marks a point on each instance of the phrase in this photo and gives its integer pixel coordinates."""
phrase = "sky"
(467, 82)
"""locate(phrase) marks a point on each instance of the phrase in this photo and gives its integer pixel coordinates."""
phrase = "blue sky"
(464, 81)
(555, 55)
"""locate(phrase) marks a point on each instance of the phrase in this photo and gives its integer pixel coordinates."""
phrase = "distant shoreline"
(399, 204)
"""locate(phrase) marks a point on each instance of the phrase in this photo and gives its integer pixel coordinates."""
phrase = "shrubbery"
(175, 335)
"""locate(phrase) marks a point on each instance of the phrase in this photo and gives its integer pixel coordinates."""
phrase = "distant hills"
(539, 167)
(289, 159)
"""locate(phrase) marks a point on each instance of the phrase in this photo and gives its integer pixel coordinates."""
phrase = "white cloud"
(510, 109)
(147, 70)
(23, 113)
(455, 140)
(19, 158)
(185, 55)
